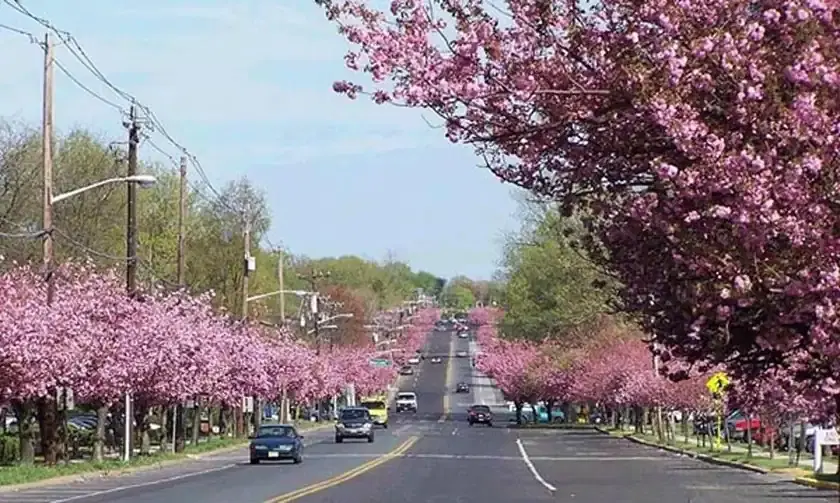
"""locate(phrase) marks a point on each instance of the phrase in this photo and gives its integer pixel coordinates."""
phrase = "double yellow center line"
(344, 477)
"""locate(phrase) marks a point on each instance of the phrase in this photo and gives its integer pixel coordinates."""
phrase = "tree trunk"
(24, 412)
(99, 434)
(196, 427)
(518, 406)
(180, 427)
(50, 434)
(549, 404)
(141, 418)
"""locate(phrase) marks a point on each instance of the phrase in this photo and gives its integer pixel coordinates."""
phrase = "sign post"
(823, 436)
(717, 385)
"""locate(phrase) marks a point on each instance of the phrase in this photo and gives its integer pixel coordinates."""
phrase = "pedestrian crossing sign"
(717, 383)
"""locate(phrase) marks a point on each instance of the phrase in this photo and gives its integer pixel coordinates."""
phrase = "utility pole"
(246, 271)
(312, 281)
(182, 217)
(284, 398)
(47, 139)
(282, 287)
(131, 254)
(179, 412)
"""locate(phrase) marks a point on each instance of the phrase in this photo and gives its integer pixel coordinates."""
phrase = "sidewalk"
(484, 389)
(736, 455)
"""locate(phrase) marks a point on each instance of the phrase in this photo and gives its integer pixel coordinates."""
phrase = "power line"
(76, 49)
(91, 251)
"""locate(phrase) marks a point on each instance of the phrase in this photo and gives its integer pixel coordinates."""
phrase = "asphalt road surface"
(435, 457)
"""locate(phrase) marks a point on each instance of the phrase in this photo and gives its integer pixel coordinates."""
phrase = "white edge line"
(531, 466)
(144, 484)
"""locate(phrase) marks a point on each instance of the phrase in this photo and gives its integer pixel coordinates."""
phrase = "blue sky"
(246, 87)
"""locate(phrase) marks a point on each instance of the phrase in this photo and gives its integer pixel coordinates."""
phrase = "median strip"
(344, 477)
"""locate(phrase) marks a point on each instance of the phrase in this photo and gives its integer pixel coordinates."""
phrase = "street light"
(49, 200)
(141, 180)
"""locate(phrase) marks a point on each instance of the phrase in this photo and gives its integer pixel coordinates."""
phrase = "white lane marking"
(454, 431)
(531, 467)
(442, 419)
(144, 484)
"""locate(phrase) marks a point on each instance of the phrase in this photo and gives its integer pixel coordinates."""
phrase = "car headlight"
(367, 426)
(260, 448)
(285, 448)
(339, 426)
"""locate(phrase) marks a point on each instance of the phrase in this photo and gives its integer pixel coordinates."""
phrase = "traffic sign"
(717, 383)
(380, 362)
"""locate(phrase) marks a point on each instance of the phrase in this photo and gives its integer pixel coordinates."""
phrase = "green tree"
(458, 297)
(550, 286)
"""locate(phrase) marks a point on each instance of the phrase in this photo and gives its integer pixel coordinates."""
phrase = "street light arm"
(141, 179)
(299, 293)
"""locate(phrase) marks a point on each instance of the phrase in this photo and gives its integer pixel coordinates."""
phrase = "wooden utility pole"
(284, 398)
(48, 413)
(282, 288)
(182, 218)
(46, 141)
(131, 230)
(179, 425)
(131, 254)
(242, 417)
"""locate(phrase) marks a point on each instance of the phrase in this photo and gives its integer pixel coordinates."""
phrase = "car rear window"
(373, 405)
(481, 408)
(354, 414)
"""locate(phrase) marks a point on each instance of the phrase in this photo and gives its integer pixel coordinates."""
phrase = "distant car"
(461, 354)
(406, 401)
(414, 360)
(406, 371)
(354, 422)
(464, 335)
(274, 442)
(462, 387)
(480, 414)
(436, 359)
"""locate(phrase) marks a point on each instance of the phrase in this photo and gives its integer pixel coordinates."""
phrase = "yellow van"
(378, 408)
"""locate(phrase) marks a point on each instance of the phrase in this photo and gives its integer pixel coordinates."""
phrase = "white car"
(464, 335)
(436, 359)
(406, 400)
(414, 360)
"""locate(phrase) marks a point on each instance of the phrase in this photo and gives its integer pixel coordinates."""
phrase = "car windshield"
(480, 408)
(354, 414)
(405, 396)
(275, 432)
(373, 405)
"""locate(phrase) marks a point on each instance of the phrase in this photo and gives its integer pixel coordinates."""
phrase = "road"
(437, 458)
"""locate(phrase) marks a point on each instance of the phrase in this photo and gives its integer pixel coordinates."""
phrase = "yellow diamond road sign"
(717, 382)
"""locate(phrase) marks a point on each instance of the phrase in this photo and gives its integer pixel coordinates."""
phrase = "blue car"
(275, 442)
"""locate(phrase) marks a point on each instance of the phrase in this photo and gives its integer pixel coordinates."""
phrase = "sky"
(246, 87)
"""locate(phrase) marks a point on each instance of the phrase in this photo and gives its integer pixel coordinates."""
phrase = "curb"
(696, 455)
(816, 484)
(129, 470)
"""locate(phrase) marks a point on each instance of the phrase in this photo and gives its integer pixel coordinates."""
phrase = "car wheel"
(338, 440)
(385, 425)
(490, 425)
(370, 439)
(298, 460)
(255, 461)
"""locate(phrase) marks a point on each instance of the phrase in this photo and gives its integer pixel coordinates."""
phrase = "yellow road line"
(344, 477)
